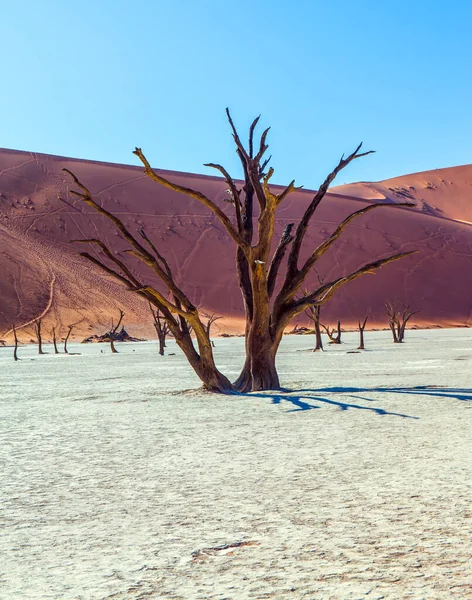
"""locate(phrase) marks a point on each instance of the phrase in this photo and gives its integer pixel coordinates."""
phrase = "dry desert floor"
(120, 480)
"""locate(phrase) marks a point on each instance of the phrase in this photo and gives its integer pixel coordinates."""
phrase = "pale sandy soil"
(358, 485)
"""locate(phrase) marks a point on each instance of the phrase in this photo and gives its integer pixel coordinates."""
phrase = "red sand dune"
(42, 273)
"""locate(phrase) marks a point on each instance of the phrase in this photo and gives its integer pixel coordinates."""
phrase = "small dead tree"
(313, 313)
(333, 334)
(37, 332)
(161, 327)
(54, 340)
(398, 318)
(361, 333)
(69, 331)
(270, 302)
(113, 331)
(15, 350)
(211, 318)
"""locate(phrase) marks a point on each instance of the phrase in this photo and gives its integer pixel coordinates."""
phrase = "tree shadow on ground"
(303, 400)
(436, 391)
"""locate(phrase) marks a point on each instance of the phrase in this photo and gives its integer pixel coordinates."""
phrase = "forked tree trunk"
(334, 338)
(393, 329)
(113, 330)
(398, 319)
(202, 361)
(361, 334)
(314, 312)
(161, 327)
(70, 327)
(54, 341)
(361, 341)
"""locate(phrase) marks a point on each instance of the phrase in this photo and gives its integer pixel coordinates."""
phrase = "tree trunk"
(338, 336)
(319, 339)
(203, 364)
(262, 349)
(15, 351)
(401, 333)
(361, 333)
(244, 381)
(56, 351)
(162, 343)
(37, 330)
(112, 345)
(66, 339)
(361, 344)
(263, 371)
(394, 333)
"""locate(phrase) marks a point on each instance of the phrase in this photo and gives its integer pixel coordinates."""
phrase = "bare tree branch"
(279, 254)
(215, 209)
(292, 267)
(322, 248)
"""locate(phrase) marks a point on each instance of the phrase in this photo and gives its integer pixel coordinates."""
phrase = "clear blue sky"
(94, 78)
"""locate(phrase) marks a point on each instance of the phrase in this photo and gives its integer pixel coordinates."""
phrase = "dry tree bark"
(54, 340)
(161, 327)
(269, 298)
(398, 318)
(113, 330)
(333, 334)
(361, 333)
(69, 330)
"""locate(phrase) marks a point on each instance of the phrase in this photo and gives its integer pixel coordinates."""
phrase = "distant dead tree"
(15, 337)
(361, 333)
(69, 330)
(398, 318)
(333, 334)
(113, 331)
(211, 318)
(54, 341)
(37, 332)
(270, 299)
(313, 313)
(161, 327)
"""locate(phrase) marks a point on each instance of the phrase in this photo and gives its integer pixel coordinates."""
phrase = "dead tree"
(361, 333)
(333, 334)
(161, 327)
(37, 332)
(15, 337)
(392, 320)
(211, 318)
(54, 340)
(69, 330)
(113, 331)
(313, 313)
(398, 318)
(270, 299)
